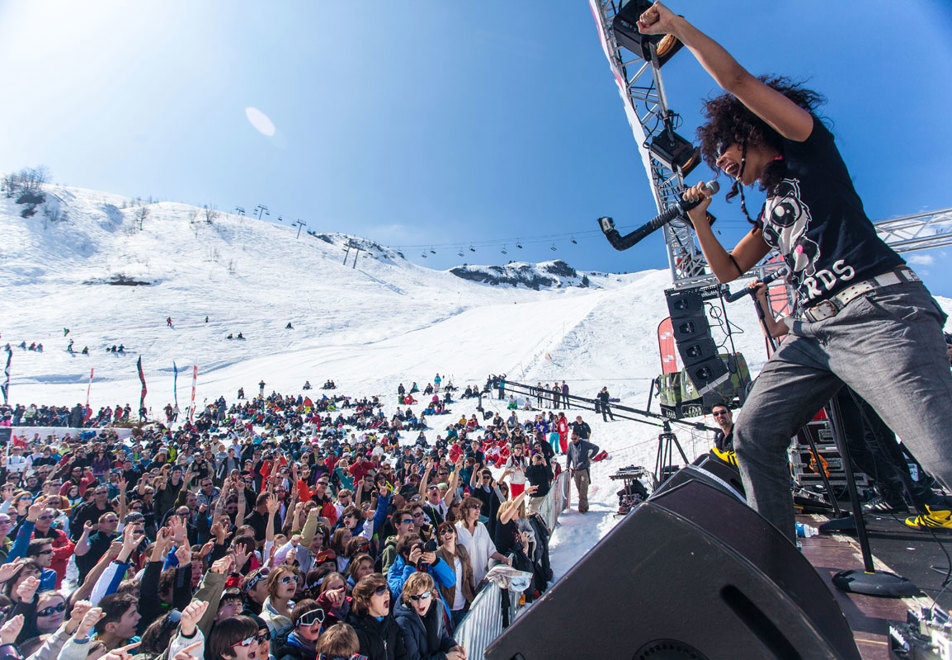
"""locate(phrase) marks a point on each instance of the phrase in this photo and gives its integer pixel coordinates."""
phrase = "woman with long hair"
(862, 316)
(461, 594)
(380, 637)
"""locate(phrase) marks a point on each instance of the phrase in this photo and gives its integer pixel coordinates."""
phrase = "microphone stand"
(867, 580)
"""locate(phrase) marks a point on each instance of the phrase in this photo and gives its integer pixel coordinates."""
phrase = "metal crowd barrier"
(556, 501)
(488, 616)
(484, 621)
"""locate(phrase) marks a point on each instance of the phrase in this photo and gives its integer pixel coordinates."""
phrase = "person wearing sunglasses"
(420, 617)
(233, 639)
(255, 587)
(300, 641)
(378, 633)
(460, 595)
(50, 612)
(277, 608)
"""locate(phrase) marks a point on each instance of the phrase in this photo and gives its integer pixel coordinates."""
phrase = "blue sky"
(443, 122)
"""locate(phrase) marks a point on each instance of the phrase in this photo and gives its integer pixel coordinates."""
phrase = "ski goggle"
(311, 617)
(425, 595)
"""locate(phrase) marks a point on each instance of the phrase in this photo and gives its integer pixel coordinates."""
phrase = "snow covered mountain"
(113, 269)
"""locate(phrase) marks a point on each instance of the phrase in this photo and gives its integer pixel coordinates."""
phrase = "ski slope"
(367, 326)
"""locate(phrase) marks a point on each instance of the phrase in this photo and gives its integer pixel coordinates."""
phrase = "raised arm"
(782, 114)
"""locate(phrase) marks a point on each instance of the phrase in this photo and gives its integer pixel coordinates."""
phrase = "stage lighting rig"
(625, 27)
(675, 152)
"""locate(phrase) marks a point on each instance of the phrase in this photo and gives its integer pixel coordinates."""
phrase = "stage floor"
(896, 548)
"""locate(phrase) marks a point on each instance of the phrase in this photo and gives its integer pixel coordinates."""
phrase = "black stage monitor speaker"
(691, 573)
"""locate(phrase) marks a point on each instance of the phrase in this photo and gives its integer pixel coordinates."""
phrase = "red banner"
(669, 352)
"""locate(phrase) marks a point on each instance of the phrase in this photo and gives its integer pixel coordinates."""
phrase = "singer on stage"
(863, 317)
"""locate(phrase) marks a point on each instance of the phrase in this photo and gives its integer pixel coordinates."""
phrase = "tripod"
(867, 580)
(667, 441)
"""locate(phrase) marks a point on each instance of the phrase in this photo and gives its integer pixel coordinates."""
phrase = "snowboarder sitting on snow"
(289, 326)
(230, 336)
(121, 350)
(85, 350)
(307, 385)
(240, 336)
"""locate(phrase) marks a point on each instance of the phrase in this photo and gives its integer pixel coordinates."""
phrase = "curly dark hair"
(730, 122)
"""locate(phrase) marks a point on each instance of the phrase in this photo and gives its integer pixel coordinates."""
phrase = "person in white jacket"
(474, 536)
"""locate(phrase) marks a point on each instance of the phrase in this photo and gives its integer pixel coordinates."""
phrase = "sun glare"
(260, 121)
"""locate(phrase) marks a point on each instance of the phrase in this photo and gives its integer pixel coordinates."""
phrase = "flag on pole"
(6, 374)
(144, 388)
(175, 383)
(191, 410)
(89, 386)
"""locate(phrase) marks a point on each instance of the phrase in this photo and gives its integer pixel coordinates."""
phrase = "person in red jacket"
(562, 426)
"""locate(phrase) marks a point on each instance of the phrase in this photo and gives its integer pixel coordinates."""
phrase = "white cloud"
(922, 259)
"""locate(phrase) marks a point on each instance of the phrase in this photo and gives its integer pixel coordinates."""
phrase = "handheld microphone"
(681, 207)
(733, 297)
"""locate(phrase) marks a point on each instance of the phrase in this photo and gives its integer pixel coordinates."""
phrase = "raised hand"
(223, 565)
(163, 541)
(191, 615)
(240, 553)
(122, 484)
(273, 504)
(7, 571)
(177, 525)
(184, 555)
(657, 19)
(11, 630)
(27, 588)
(90, 618)
(122, 653)
(76, 616)
(186, 653)
(207, 548)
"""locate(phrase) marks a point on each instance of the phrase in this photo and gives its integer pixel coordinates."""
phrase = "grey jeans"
(888, 347)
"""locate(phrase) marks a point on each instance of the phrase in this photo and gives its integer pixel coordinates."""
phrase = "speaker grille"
(668, 649)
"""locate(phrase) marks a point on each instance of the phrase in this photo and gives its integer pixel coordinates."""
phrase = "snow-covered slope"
(367, 327)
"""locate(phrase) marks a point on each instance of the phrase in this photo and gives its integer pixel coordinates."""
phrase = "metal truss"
(642, 91)
(922, 231)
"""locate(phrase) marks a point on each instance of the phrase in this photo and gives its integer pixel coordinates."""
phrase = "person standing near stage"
(578, 462)
(603, 398)
(724, 437)
(862, 317)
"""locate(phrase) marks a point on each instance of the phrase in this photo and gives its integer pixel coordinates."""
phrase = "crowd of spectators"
(280, 527)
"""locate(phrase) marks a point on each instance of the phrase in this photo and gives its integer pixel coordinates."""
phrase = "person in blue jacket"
(411, 558)
(422, 622)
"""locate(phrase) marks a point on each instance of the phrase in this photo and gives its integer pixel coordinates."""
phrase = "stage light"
(675, 152)
(625, 27)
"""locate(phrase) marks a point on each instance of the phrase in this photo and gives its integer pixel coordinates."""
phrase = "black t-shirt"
(815, 219)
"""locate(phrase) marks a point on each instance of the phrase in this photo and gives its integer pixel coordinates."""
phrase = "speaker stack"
(690, 573)
(692, 335)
